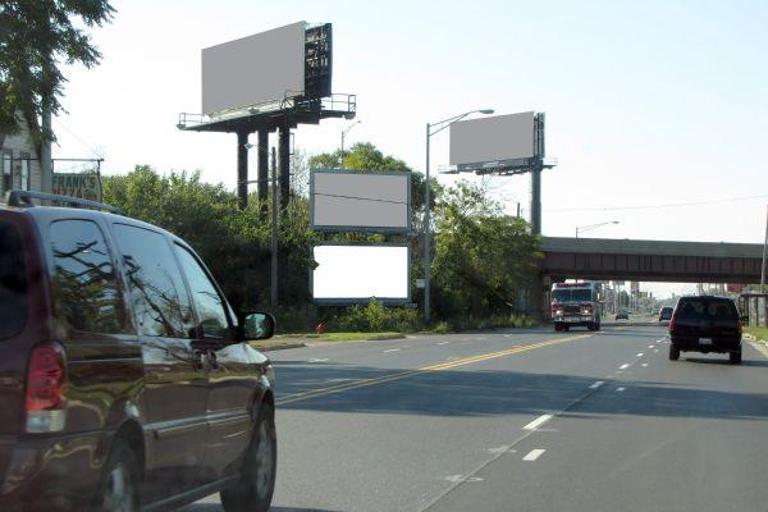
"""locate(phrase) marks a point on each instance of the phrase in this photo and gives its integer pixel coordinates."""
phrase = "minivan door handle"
(197, 359)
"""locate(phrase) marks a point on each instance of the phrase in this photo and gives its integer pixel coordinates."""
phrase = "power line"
(658, 206)
(358, 198)
(58, 121)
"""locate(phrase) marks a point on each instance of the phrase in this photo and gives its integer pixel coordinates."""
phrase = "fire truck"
(576, 304)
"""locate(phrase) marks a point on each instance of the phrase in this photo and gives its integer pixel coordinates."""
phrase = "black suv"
(126, 381)
(705, 324)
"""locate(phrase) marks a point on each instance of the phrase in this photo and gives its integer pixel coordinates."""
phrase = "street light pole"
(344, 134)
(427, 234)
(765, 255)
(438, 127)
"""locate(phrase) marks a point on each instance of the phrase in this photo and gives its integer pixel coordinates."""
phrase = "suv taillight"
(46, 387)
(672, 323)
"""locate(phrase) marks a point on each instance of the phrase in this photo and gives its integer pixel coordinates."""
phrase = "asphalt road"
(519, 420)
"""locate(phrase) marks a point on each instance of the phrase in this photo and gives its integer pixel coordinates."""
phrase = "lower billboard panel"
(356, 273)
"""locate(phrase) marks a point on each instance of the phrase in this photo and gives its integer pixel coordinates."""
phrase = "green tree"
(36, 36)
(483, 259)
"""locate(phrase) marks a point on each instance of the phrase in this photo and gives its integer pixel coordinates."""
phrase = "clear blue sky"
(647, 103)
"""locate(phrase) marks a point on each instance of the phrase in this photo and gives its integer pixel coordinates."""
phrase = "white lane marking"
(644, 365)
(538, 422)
(597, 384)
(461, 478)
(619, 390)
(318, 360)
(655, 351)
(624, 366)
(534, 454)
(640, 354)
(500, 449)
(340, 379)
(650, 346)
(393, 350)
(442, 342)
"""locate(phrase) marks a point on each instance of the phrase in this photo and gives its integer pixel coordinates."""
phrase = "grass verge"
(760, 333)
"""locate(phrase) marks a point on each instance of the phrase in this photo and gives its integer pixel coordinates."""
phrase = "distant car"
(665, 313)
(622, 315)
(705, 324)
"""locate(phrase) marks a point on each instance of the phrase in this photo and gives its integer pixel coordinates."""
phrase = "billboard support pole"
(284, 163)
(536, 197)
(242, 168)
(273, 258)
(262, 152)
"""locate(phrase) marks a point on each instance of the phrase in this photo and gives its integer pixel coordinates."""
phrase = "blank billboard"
(264, 67)
(492, 139)
(355, 273)
(360, 200)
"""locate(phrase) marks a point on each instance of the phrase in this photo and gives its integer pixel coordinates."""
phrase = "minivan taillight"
(46, 388)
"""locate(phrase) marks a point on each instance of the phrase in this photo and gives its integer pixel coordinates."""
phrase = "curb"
(386, 337)
(272, 348)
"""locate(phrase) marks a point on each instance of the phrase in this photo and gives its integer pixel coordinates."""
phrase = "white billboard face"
(359, 272)
(492, 139)
(360, 201)
(264, 67)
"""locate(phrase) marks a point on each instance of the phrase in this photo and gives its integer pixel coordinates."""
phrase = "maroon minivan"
(126, 382)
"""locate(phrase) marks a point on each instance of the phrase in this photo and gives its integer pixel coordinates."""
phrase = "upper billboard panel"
(356, 273)
(360, 200)
(264, 67)
(492, 139)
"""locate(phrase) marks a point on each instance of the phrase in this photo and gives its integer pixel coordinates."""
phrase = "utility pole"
(273, 258)
(427, 235)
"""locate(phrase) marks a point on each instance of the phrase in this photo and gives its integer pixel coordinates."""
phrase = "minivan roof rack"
(23, 198)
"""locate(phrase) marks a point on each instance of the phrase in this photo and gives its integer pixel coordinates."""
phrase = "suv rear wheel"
(119, 490)
(253, 491)
(674, 352)
(735, 357)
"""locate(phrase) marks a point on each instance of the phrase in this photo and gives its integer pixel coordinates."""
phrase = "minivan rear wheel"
(735, 357)
(674, 352)
(119, 488)
(254, 489)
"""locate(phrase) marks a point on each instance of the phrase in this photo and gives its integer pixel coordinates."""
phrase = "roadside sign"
(82, 185)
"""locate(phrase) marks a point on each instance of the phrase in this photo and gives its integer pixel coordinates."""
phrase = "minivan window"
(13, 282)
(209, 304)
(160, 301)
(85, 287)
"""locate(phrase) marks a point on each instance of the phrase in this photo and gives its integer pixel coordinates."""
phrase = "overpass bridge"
(650, 260)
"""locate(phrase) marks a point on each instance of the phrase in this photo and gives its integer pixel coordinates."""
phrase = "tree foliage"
(36, 37)
(484, 260)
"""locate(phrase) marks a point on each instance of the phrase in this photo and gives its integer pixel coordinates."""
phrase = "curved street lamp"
(590, 227)
(434, 129)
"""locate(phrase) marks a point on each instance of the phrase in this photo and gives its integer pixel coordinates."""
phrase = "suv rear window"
(722, 309)
(13, 282)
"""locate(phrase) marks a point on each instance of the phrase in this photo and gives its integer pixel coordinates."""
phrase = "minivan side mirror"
(256, 325)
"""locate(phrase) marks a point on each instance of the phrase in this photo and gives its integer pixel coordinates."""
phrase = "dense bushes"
(483, 265)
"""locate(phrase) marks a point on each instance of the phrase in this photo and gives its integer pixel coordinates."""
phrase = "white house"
(19, 165)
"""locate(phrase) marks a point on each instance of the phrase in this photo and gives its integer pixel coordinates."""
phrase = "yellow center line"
(306, 395)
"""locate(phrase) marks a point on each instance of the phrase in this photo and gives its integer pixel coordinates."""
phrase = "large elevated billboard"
(360, 200)
(356, 273)
(496, 141)
(264, 67)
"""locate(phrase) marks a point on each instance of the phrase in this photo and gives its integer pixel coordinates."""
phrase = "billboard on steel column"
(492, 141)
(343, 200)
(264, 67)
(355, 273)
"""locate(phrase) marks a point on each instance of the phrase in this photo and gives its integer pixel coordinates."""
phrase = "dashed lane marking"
(534, 454)
(446, 365)
(597, 384)
(640, 354)
(318, 360)
(538, 422)
(624, 366)
(392, 350)
(620, 390)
